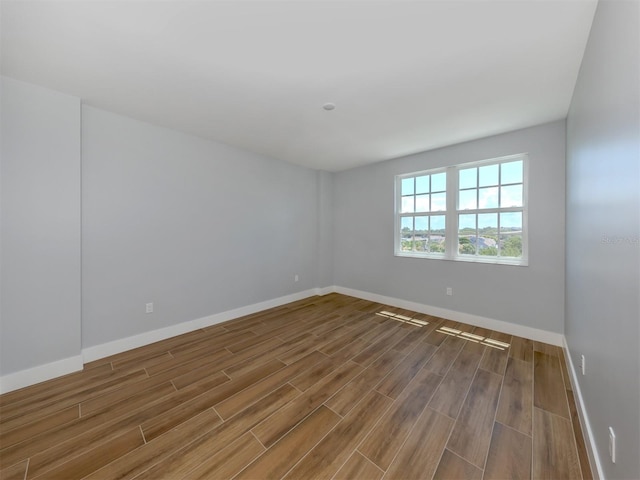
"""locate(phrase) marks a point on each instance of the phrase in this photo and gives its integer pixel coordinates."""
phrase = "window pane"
(467, 200)
(438, 202)
(511, 234)
(407, 204)
(489, 175)
(422, 184)
(511, 172)
(407, 186)
(511, 221)
(468, 178)
(488, 197)
(467, 222)
(406, 234)
(437, 237)
(439, 182)
(438, 224)
(511, 196)
(487, 242)
(422, 203)
(488, 222)
(421, 238)
(422, 225)
(466, 234)
(511, 246)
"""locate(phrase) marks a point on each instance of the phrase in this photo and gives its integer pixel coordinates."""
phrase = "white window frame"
(452, 212)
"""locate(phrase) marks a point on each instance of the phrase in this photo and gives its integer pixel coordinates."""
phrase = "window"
(470, 212)
(423, 203)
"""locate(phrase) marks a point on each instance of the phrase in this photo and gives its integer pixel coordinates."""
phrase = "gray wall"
(325, 230)
(603, 232)
(40, 306)
(364, 233)
(193, 226)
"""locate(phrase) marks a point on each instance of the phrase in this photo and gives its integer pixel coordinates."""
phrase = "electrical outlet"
(583, 365)
(449, 291)
(149, 308)
(612, 445)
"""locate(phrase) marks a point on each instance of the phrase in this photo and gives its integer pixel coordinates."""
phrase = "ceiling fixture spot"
(329, 106)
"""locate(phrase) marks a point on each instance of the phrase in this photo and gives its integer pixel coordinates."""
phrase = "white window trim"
(451, 214)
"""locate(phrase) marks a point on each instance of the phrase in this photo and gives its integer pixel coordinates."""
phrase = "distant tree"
(467, 248)
(512, 247)
(489, 251)
(436, 247)
(407, 245)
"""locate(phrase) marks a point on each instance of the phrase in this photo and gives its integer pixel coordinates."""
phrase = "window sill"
(468, 259)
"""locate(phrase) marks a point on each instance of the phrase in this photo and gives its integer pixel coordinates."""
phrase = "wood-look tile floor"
(326, 387)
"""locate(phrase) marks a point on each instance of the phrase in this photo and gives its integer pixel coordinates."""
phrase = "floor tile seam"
(339, 415)
(373, 360)
(364, 434)
(464, 459)
(314, 346)
(493, 424)
(555, 414)
(473, 377)
(310, 448)
(198, 352)
(248, 361)
(355, 450)
(375, 387)
(420, 341)
(265, 340)
(206, 392)
(184, 447)
(287, 382)
(365, 346)
(25, 425)
(532, 371)
(380, 393)
(105, 424)
(104, 441)
(383, 414)
(485, 353)
(144, 439)
(504, 425)
(135, 411)
(133, 365)
(575, 446)
(290, 429)
(233, 417)
(26, 469)
(575, 438)
(424, 409)
(456, 420)
(67, 396)
(265, 449)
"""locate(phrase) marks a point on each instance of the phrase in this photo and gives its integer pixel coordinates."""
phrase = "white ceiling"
(406, 76)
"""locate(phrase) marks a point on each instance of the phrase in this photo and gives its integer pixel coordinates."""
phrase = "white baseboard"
(122, 345)
(62, 367)
(58, 368)
(325, 290)
(592, 452)
(537, 334)
(31, 376)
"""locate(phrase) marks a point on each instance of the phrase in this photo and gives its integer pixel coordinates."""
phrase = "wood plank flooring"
(329, 387)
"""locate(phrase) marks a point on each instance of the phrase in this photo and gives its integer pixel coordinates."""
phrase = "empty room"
(266, 239)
